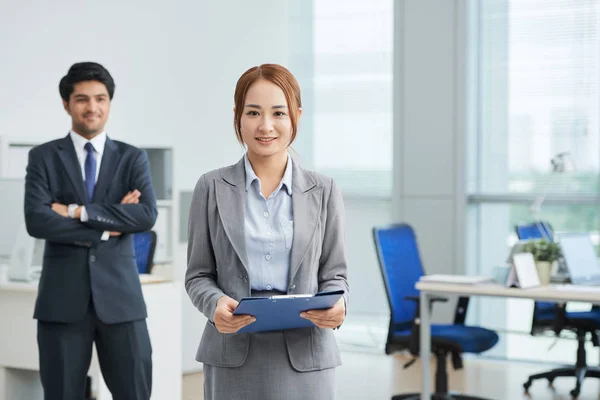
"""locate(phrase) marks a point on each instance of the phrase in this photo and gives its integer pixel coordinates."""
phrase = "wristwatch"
(71, 210)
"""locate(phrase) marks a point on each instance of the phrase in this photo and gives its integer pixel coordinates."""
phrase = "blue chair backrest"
(535, 230)
(401, 269)
(144, 244)
(538, 230)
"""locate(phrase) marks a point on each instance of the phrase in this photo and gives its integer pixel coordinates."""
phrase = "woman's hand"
(330, 318)
(224, 319)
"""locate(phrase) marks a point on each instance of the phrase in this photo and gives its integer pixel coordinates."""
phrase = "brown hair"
(276, 74)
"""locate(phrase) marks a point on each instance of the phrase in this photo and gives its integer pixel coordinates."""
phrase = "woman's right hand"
(224, 319)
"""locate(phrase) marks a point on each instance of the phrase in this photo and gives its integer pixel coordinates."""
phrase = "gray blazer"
(217, 261)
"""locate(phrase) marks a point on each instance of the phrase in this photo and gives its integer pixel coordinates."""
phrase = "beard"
(87, 130)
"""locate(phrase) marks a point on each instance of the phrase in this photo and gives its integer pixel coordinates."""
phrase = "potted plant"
(544, 253)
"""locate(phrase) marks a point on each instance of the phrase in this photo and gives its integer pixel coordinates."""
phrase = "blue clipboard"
(283, 312)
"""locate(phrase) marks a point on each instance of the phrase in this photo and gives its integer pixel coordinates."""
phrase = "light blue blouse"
(269, 230)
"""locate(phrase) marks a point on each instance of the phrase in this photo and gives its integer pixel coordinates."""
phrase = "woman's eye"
(253, 113)
(279, 114)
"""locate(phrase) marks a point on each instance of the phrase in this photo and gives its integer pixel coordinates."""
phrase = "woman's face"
(266, 126)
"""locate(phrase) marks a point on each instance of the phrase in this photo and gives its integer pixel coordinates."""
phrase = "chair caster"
(526, 386)
(575, 393)
(550, 381)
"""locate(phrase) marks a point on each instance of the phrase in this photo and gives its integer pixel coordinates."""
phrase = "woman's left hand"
(330, 318)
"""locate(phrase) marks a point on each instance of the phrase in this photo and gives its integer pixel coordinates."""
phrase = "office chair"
(535, 230)
(554, 317)
(144, 244)
(401, 269)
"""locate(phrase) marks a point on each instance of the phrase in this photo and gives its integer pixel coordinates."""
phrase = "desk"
(429, 289)
(19, 364)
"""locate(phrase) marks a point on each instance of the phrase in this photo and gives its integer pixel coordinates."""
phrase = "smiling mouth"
(266, 140)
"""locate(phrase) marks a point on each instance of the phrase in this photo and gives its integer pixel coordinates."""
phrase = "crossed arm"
(45, 219)
(133, 197)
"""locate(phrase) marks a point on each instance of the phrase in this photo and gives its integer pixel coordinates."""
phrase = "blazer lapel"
(306, 203)
(231, 203)
(110, 161)
(68, 157)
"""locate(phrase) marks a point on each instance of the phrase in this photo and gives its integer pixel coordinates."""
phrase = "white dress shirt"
(79, 143)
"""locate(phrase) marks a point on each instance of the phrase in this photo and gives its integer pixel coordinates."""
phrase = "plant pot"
(544, 269)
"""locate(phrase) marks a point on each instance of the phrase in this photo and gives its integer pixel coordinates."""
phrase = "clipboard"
(283, 312)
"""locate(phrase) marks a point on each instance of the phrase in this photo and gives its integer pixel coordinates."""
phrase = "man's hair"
(85, 71)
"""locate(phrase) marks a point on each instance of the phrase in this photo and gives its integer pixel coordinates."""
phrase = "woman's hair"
(273, 73)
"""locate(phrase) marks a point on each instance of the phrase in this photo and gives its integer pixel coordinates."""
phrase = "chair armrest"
(413, 345)
(560, 318)
(431, 299)
(461, 310)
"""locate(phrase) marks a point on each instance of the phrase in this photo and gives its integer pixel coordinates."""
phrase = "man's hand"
(60, 209)
(330, 318)
(224, 319)
(132, 197)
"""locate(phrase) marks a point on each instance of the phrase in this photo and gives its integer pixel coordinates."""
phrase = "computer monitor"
(11, 215)
(580, 257)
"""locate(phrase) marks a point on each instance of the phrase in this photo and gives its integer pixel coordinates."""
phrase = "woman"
(261, 227)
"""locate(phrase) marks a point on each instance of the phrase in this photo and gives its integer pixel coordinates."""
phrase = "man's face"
(88, 107)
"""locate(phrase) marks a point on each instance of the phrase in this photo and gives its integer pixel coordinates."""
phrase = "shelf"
(161, 167)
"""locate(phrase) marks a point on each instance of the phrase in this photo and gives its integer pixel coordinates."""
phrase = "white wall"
(367, 293)
(175, 66)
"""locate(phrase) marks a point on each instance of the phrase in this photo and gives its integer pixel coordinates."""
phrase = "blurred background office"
(443, 114)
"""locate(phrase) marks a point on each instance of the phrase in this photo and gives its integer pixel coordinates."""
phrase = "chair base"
(580, 373)
(437, 396)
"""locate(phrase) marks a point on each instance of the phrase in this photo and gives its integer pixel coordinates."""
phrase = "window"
(537, 96)
(352, 88)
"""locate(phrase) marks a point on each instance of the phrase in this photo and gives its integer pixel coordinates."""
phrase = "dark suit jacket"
(77, 264)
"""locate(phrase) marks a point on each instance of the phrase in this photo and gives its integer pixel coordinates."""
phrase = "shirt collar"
(97, 141)
(285, 181)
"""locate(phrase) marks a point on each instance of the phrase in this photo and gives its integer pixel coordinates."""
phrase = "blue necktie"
(90, 171)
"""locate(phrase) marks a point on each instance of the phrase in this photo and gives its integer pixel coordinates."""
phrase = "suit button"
(92, 258)
(293, 287)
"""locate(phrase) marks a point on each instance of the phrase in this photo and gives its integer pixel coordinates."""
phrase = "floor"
(372, 376)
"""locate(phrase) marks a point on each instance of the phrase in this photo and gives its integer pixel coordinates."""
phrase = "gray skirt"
(267, 375)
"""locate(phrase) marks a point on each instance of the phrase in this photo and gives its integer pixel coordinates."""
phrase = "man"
(85, 194)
